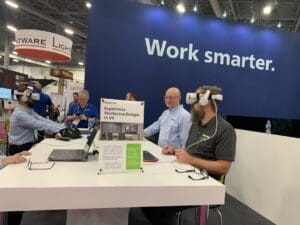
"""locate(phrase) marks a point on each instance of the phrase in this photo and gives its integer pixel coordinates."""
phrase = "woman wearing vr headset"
(210, 147)
(24, 121)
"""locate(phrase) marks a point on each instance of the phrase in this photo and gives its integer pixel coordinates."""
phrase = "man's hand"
(168, 150)
(58, 135)
(24, 153)
(83, 117)
(71, 118)
(17, 158)
(183, 156)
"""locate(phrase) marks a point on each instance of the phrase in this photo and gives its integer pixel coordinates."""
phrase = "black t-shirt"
(220, 147)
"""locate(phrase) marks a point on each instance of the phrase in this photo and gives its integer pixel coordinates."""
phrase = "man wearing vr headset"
(214, 149)
(174, 123)
(210, 146)
(24, 121)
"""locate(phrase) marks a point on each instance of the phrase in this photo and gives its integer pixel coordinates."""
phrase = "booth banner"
(151, 49)
(120, 156)
(121, 111)
(43, 45)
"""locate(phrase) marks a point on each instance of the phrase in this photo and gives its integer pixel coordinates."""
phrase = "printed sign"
(121, 111)
(120, 156)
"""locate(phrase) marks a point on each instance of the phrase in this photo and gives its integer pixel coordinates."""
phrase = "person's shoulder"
(74, 106)
(92, 106)
(184, 112)
(225, 124)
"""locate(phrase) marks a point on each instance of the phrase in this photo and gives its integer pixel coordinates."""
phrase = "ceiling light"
(15, 53)
(162, 2)
(252, 20)
(15, 60)
(180, 8)
(47, 61)
(69, 31)
(80, 63)
(195, 9)
(12, 4)
(224, 14)
(12, 28)
(14, 43)
(88, 5)
(279, 25)
(267, 10)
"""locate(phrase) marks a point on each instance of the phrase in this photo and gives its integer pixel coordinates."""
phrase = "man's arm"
(28, 121)
(38, 117)
(71, 114)
(225, 144)
(219, 167)
(153, 128)
(17, 158)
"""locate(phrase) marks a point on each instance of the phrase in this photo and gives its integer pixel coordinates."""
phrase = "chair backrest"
(222, 179)
(7, 125)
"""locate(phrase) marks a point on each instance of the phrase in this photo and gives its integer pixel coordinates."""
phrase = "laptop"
(74, 154)
(148, 157)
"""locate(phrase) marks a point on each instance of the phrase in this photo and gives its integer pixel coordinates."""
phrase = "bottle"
(268, 127)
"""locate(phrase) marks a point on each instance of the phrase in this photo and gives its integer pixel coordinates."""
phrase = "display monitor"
(5, 93)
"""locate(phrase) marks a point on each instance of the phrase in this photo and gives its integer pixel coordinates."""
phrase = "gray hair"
(85, 92)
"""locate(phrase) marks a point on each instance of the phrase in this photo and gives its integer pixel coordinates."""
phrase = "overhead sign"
(61, 73)
(43, 45)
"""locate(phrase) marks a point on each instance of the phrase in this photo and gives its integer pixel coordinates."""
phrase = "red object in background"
(42, 55)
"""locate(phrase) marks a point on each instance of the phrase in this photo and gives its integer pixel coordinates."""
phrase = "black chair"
(216, 208)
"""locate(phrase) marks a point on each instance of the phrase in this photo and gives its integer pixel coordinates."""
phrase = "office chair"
(199, 210)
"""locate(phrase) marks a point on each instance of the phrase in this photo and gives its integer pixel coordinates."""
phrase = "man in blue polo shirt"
(83, 113)
(44, 107)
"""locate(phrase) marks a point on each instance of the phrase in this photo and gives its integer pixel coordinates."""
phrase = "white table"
(77, 185)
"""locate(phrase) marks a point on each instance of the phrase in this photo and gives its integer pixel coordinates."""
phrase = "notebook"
(74, 154)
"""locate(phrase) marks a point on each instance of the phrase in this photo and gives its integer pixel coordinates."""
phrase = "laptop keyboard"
(67, 155)
(77, 154)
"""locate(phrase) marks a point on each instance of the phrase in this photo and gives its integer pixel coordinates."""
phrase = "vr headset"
(72, 133)
(202, 98)
(26, 94)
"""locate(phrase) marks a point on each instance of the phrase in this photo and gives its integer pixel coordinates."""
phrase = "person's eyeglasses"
(40, 165)
(196, 174)
(170, 97)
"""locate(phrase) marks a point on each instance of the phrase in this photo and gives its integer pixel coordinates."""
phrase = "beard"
(30, 103)
(197, 116)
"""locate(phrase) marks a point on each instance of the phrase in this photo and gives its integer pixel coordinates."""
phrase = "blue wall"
(118, 59)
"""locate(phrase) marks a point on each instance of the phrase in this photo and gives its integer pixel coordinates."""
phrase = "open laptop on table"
(74, 154)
